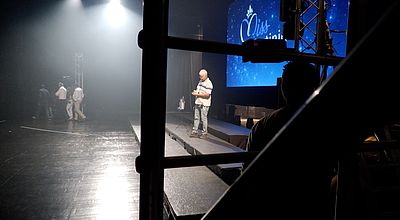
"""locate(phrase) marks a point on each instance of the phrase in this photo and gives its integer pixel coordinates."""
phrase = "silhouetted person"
(42, 108)
(299, 80)
(202, 104)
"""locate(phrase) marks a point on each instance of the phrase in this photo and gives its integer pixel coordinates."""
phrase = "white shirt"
(78, 94)
(204, 86)
(61, 93)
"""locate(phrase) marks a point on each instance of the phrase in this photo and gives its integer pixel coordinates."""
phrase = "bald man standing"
(202, 104)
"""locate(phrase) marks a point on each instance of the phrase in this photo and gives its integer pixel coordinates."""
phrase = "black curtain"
(182, 77)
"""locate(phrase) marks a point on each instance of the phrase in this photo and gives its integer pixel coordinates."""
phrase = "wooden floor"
(69, 170)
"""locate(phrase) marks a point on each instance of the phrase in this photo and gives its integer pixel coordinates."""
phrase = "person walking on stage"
(202, 104)
(70, 103)
(78, 96)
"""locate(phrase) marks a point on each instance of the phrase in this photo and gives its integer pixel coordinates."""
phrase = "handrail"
(256, 53)
(374, 146)
(208, 159)
(199, 160)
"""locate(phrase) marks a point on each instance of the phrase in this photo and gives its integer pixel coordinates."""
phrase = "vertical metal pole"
(320, 36)
(76, 68)
(78, 79)
(320, 28)
(297, 25)
(153, 105)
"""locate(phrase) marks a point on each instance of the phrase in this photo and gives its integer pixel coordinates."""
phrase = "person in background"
(299, 81)
(70, 103)
(77, 97)
(42, 108)
(61, 102)
(202, 93)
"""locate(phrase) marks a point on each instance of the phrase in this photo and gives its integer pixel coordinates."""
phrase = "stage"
(86, 170)
(71, 170)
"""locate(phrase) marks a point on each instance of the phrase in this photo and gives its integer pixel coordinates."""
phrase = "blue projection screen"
(259, 19)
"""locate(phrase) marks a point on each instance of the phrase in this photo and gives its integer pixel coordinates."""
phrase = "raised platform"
(231, 133)
(178, 126)
(187, 191)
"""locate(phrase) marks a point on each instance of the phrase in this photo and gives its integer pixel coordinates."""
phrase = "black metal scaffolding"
(154, 41)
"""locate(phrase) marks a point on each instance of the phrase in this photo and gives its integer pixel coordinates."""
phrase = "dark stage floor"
(72, 170)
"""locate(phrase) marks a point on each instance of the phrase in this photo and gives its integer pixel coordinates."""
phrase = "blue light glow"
(259, 19)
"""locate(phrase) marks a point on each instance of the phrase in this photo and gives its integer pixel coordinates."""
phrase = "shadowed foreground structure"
(331, 125)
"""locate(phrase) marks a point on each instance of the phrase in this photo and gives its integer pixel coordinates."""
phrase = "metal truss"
(312, 34)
